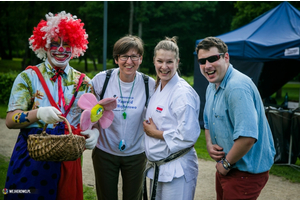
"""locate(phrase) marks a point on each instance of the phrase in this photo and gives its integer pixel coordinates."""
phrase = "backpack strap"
(146, 81)
(108, 73)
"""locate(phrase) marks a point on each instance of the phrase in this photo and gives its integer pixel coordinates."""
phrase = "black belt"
(155, 165)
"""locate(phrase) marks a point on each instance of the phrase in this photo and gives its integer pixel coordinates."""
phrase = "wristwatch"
(226, 164)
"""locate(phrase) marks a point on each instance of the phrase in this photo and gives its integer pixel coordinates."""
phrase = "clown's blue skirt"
(30, 179)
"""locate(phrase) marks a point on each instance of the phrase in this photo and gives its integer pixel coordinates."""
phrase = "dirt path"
(276, 188)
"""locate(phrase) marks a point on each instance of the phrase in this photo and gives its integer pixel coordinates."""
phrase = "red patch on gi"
(159, 109)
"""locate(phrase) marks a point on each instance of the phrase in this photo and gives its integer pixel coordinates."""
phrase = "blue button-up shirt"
(236, 110)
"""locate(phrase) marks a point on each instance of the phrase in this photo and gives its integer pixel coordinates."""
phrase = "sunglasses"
(210, 59)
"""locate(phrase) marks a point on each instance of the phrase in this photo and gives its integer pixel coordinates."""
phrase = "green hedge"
(6, 83)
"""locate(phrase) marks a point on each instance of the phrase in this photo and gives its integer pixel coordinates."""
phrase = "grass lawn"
(292, 89)
(15, 65)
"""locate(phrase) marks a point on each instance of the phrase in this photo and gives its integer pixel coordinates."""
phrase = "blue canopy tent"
(266, 49)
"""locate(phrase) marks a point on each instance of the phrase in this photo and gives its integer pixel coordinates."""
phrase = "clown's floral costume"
(61, 37)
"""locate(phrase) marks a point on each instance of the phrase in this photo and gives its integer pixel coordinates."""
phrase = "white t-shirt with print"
(130, 129)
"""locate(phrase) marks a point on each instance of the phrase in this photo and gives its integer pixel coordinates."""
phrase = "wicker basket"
(45, 147)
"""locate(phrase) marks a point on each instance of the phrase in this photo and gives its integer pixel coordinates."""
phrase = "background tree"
(151, 20)
(93, 23)
(141, 13)
(249, 10)
(131, 11)
(187, 20)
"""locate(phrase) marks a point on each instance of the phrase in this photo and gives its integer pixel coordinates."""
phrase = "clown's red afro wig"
(61, 25)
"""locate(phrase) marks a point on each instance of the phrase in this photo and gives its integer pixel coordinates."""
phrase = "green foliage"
(6, 82)
(194, 20)
(3, 170)
(153, 20)
(289, 173)
(249, 10)
(91, 14)
(293, 90)
(3, 109)
(10, 65)
(189, 79)
(80, 66)
(89, 193)
(200, 147)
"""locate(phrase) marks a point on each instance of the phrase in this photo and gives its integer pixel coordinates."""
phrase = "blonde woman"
(171, 128)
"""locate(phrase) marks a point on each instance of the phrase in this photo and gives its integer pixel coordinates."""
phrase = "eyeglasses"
(133, 57)
(210, 59)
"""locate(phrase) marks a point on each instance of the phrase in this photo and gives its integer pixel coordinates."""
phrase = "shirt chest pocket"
(221, 126)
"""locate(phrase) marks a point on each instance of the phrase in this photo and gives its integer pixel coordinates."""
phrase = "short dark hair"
(124, 44)
(209, 42)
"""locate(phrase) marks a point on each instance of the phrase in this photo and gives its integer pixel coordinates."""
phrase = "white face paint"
(59, 53)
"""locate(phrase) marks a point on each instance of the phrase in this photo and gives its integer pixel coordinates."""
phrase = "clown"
(56, 41)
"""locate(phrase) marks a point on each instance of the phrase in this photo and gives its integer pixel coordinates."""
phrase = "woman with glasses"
(171, 128)
(121, 146)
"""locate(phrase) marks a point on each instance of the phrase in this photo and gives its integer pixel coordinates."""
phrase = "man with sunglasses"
(238, 136)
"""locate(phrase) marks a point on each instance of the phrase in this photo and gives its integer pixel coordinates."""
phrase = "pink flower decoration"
(96, 111)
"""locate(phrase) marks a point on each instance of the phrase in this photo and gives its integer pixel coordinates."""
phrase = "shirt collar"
(49, 67)
(224, 81)
(171, 82)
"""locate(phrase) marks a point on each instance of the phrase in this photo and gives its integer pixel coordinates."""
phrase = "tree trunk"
(99, 58)
(8, 42)
(85, 64)
(3, 54)
(25, 57)
(140, 29)
(91, 56)
(131, 18)
(95, 65)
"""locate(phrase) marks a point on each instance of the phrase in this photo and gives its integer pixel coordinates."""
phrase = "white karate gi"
(175, 111)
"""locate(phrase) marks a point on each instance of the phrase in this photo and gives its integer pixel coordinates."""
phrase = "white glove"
(92, 139)
(49, 115)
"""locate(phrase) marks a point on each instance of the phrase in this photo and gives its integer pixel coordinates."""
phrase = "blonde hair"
(168, 44)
